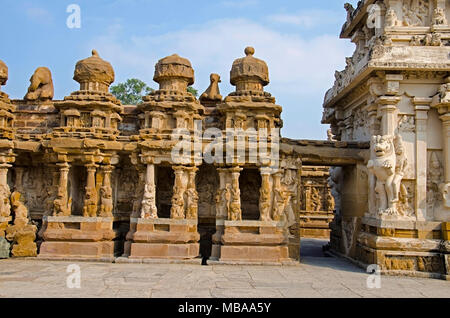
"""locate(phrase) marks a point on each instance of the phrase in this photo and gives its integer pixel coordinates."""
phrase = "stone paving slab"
(315, 277)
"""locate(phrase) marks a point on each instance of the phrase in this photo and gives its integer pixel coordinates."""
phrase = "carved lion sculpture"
(90, 203)
(106, 206)
(382, 165)
(213, 92)
(41, 85)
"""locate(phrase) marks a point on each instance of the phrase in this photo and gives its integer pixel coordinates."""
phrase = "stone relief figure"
(148, 204)
(281, 200)
(391, 18)
(401, 163)
(349, 8)
(316, 200)
(330, 202)
(191, 203)
(415, 41)
(41, 85)
(90, 203)
(335, 184)
(387, 167)
(106, 202)
(62, 206)
(415, 12)
(5, 206)
(177, 209)
(406, 124)
(264, 200)
(223, 200)
(22, 233)
(212, 92)
(439, 16)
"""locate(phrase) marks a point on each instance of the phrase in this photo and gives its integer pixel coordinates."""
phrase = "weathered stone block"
(4, 248)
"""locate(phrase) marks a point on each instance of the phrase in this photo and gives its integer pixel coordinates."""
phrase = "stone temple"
(89, 178)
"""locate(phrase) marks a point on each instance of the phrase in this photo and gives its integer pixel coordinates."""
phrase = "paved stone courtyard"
(315, 277)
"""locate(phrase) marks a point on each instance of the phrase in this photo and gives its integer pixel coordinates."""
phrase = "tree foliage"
(131, 92)
(192, 90)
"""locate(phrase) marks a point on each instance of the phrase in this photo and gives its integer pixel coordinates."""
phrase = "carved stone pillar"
(387, 108)
(422, 106)
(19, 179)
(62, 205)
(281, 198)
(265, 194)
(148, 205)
(223, 196)
(177, 209)
(191, 195)
(106, 201)
(5, 192)
(235, 213)
(90, 198)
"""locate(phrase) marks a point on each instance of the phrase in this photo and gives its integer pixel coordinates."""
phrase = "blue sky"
(298, 39)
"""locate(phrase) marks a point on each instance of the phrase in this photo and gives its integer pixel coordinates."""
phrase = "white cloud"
(300, 69)
(38, 14)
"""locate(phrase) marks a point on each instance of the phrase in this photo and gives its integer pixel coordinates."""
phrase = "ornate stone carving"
(265, 197)
(41, 85)
(191, 196)
(335, 183)
(416, 12)
(391, 18)
(22, 233)
(388, 164)
(148, 204)
(234, 212)
(212, 93)
(90, 199)
(382, 165)
(106, 200)
(406, 123)
(62, 206)
(5, 207)
(439, 17)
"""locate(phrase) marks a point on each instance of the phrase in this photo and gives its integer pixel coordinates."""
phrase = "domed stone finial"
(94, 73)
(249, 51)
(174, 73)
(3, 73)
(249, 74)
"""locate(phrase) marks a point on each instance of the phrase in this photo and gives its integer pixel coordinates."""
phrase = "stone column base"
(162, 238)
(251, 253)
(255, 241)
(78, 237)
(403, 247)
(164, 250)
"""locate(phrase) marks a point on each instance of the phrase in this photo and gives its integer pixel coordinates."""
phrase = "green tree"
(192, 90)
(131, 92)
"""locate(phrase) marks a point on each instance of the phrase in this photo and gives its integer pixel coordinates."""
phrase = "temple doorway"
(249, 184)
(207, 183)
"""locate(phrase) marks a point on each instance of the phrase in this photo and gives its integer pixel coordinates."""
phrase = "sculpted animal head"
(382, 146)
(215, 78)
